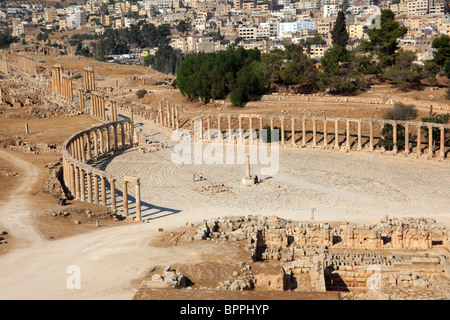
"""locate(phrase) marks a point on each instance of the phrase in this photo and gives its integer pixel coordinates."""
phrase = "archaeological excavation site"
(158, 197)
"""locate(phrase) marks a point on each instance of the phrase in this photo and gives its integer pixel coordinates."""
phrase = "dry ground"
(118, 255)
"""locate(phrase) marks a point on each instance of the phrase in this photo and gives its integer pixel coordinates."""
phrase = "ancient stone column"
(359, 136)
(77, 183)
(115, 137)
(430, 141)
(419, 151)
(108, 143)
(383, 149)
(82, 186)
(406, 139)
(303, 132)
(88, 146)
(271, 125)
(370, 135)
(208, 123)
(138, 201)
(229, 123)
(103, 182)
(72, 179)
(102, 148)
(131, 133)
(293, 131)
(347, 142)
(325, 134)
(89, 184)
(161, 119)
(282, 130)
(247, 167)
(219, 128)
(70, 90)
(394, 138)
(122, 135)
(125, 199)
(314, 132)
(177, 117)
(113, 195)
(169, 125)
(336, 134)
(95, 141)
(172, 116)
(96, 193)
(240, 129)
(84, 80)
(442, 145)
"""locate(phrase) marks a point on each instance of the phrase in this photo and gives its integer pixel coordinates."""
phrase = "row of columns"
(348, 132)
(113, 105)
(57, 75)
(88, 184)
(67, 90)
(81, 98)
(168, 115)
(89, 79)
(99, 140)
(98, 107)
(61, 84)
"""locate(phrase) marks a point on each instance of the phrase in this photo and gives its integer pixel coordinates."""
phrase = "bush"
(401, 111)
(141, 93)
(447, 94)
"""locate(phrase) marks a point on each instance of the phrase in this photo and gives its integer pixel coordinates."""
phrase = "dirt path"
(15, 211)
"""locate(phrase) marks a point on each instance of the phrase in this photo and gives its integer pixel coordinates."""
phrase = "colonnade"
(89, 79)
(168, 115)
(334, 133)
(89, 184)
(61, 84)
(113, 105)
(98, 107)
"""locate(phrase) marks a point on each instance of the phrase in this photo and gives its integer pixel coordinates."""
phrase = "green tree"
(181, 26)
(384, 40)
(441, 54)
(339, 34)
(405, 72)
(166, 59)
(340, 71)
(436, 132)
(399, 111)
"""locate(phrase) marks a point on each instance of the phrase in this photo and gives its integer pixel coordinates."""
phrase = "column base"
(248, 182)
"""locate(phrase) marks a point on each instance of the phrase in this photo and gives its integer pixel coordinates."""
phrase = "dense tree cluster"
(120, 41)
(6, 39)
(166, 59)
(233, 73)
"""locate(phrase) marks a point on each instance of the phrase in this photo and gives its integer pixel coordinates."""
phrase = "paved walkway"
(354, 186)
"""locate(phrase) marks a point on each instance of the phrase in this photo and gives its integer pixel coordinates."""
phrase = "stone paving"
(338, 186)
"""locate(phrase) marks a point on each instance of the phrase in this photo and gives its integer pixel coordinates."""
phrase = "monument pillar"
(125, 199)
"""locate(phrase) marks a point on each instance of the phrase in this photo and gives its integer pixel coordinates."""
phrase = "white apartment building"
(271, 25)
(330, 10)
(76, 17)
(292, 27)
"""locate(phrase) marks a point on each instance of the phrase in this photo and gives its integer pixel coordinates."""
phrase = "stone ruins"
(318, 257)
